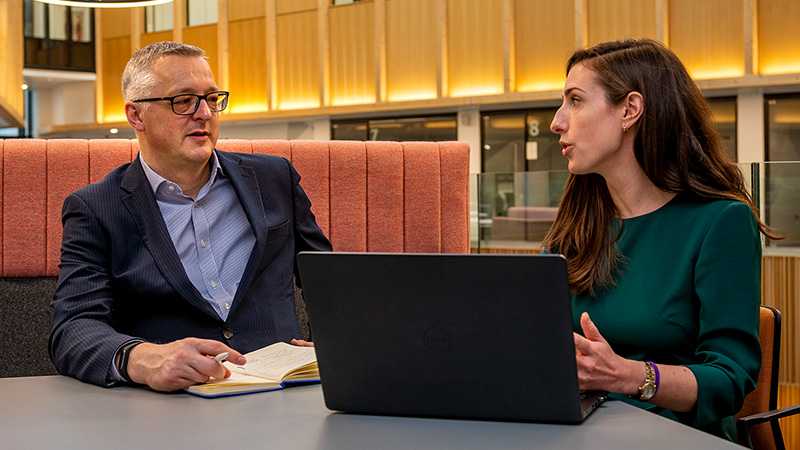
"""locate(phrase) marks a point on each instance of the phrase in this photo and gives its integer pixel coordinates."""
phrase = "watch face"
(648, 391)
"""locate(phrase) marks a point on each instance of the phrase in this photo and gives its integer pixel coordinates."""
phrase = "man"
(185, 253)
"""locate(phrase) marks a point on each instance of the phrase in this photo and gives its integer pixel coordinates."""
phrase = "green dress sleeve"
(727, 289)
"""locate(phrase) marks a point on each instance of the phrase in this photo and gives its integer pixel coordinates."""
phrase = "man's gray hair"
(137, 79)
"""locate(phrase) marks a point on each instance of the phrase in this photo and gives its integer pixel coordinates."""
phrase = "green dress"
(688, 293)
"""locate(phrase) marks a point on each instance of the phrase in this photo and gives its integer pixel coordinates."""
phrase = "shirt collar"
(157, 180)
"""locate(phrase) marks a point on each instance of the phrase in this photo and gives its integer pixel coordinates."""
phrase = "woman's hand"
(599, 368)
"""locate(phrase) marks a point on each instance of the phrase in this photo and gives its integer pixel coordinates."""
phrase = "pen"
(221, 357)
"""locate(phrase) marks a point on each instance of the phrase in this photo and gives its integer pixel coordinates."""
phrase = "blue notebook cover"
(254, 390)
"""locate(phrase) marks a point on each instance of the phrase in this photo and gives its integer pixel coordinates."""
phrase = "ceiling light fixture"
(106, 3)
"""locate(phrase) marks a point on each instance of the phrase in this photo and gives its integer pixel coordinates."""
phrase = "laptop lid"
(445, 335)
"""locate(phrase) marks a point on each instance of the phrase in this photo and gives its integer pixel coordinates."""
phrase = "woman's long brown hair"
(675, 144)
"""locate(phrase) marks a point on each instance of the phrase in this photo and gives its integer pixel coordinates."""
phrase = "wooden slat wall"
(789, 394)
(708, 37)
(298, 60)
(545, 38)
(205, 37)
(290, 6)
(778, 45)
(248, 57)
(780, 286)
(246, 9)
(436, 49)
(620, 19)
(475, 47)
(411, 31)
(116, 52)
(11, 60)
(116, 22)
(352, 46)
(150, 38)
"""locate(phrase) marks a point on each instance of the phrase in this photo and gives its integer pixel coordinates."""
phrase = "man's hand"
(179, 364)
(301, 343)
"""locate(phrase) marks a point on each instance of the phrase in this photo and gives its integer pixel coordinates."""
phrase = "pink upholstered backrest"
(373, 196)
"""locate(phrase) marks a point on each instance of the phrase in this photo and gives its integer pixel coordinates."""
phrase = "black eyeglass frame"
(198, 97)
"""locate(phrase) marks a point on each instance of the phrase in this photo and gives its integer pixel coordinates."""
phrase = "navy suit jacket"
(121, 278)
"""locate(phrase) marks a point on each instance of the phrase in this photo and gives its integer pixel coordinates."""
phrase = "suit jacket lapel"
(141, 204)
(244, 181)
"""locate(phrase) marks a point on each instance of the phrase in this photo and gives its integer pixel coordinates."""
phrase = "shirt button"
(227, 306)
(214, 284)
(227, 332)
(203, 243)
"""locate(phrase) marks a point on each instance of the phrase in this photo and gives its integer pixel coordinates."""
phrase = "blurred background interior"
(485, 72)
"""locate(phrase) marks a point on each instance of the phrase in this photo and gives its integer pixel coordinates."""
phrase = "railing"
(59, 54)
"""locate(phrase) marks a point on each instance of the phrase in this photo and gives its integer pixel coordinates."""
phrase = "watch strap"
(652, 378)
(124, 356)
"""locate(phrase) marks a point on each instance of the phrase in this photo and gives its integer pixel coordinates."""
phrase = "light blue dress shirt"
(211, 233)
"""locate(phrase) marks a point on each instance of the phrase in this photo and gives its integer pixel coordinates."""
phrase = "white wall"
(316, 129)
(202, 12)
(469, 131)
(750, 126)
(67, 103)
(158, 18)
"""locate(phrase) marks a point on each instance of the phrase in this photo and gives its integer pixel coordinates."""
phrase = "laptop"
(474, 336)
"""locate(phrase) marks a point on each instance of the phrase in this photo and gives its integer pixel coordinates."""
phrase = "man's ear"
(134, 116)
(634, 108)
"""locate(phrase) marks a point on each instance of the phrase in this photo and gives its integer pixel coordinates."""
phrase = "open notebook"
(270, 368)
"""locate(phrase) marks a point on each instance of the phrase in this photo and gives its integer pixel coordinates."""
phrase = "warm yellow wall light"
(408, 96)
(473, 91)
(356, 100)
(780, 68)
(441, 124)
(106, 3)
(507, 123)
(299, 104)
(110, 118)
(723, 72)
(248, 107)
(541, 86)
(724, 118)
(786, 118)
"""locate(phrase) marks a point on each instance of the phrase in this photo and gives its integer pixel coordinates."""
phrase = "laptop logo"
(437, 338)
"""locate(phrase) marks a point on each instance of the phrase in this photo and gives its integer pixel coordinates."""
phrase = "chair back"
(766, 436)
(367, 196)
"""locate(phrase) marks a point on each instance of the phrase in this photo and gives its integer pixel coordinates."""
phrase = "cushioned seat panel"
(25, 308)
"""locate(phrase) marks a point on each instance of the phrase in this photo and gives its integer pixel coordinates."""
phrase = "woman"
(661, 238)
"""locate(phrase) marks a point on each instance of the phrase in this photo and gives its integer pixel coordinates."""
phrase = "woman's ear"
(634, 107)
(134, 116)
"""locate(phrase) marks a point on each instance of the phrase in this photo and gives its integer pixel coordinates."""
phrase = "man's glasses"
(187, 104)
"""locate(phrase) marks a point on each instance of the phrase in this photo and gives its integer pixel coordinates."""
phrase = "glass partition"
(158, 18)
(58, 37)
(423, 128)
(724, 118)
(201, 12)
(780, 202)
(510, 212)
(515, 210)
